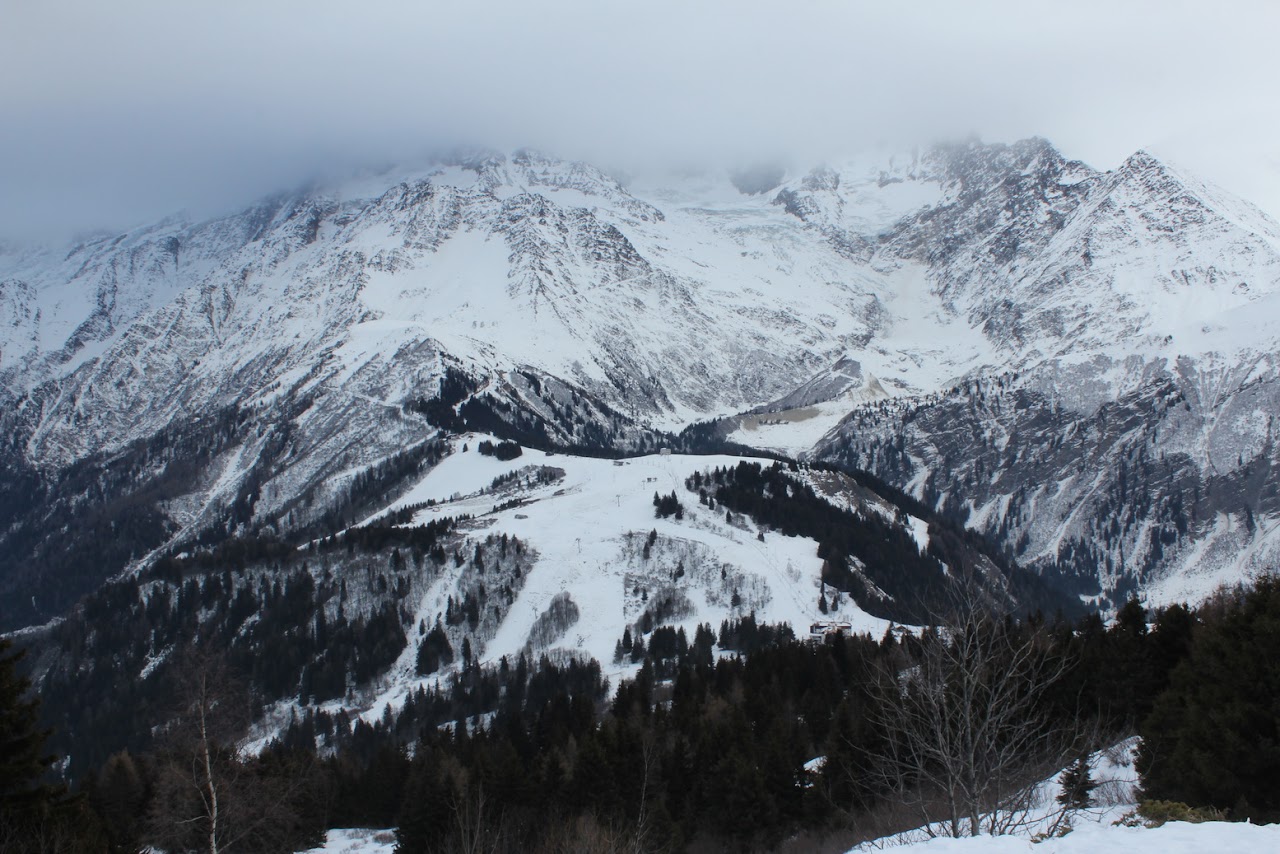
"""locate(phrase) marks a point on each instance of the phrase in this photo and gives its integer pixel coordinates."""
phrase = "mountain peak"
(1175, 193)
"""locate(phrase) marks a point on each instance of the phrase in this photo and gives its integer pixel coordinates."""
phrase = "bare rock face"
(1126, 439)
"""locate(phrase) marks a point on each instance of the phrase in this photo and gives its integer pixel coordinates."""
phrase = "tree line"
(710, 745)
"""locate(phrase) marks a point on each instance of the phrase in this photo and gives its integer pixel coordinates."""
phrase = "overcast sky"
(117, 112)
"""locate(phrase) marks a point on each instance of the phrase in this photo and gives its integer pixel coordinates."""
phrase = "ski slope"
(589, 529)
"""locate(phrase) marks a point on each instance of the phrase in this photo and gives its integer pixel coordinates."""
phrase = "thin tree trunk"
(208, 770)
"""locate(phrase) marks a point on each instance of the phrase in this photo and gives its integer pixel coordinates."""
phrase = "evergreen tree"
(434, 651)
(1213, 738)
(425, 816)
(119, 795)
(23, 761)
(34, 816)
(1077, 786)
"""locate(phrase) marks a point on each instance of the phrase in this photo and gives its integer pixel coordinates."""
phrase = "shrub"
(1156, 813)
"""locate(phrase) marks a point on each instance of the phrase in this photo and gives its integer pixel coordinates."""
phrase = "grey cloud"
(123, 111)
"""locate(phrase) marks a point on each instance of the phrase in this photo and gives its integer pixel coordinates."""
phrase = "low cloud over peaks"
(121, 112)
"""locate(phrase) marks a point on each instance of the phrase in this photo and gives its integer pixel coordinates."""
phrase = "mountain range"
(1076, 367)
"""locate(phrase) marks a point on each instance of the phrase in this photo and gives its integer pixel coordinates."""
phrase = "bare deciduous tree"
(968, 737)
(192, 805)
(478, 830)
(207, 797)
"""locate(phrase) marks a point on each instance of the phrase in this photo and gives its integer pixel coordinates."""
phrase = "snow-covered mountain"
(490, 558)
(1128, 437)
(185, 381)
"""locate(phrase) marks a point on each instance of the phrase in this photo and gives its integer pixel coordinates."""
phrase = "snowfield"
(358, 840)
(589, 530)
(1091, 837)
(1100, 837)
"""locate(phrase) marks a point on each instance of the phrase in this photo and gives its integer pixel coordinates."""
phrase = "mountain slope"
(188, 381)
(483, 560)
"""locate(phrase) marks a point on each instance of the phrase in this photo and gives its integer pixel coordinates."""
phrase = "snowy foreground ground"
(1089, 837)
(358, 840)
(1094, 830)
(1100, 837)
